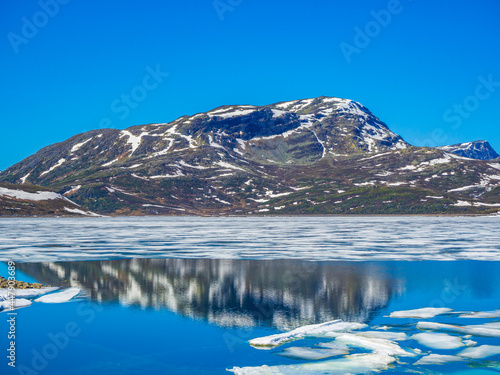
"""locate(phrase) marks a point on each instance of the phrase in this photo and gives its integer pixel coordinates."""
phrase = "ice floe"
(438, 359)
(17, 303)
(27, 293)
(384, 345)
(396, 336)
(480, 352)
(313, 330)
(352, 364)
(464, 330)
(424, 313)
(482, 314)
(438, 340)
(59, 297)
(470, 342)
(376, 345)
(312, 353)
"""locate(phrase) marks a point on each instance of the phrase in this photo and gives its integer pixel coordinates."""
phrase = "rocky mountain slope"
(314, 156)
(31, 200)
(480, 150)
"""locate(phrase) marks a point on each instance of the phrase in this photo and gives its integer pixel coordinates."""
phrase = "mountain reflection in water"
(233, 293)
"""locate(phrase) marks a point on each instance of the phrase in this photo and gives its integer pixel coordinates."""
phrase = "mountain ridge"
(321, 155)
(480, 150)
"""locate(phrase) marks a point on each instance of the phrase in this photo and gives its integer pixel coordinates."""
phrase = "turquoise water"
(174, 316)
(185, 295)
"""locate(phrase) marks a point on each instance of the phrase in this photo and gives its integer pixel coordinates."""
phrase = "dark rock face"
(480, 150)
(313, 156)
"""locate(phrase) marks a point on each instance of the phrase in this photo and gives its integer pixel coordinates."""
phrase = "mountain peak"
(480, 150)
(293, 132)
(307, 156)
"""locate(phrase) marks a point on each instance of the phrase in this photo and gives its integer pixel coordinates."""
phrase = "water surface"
(195, 316)
(311, 238)
(185, 295)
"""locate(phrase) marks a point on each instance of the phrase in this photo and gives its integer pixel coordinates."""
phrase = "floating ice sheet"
(312, 353)
(480, 352)
(482, 314)
(494, 325)
(438, 340)
(311, 238)
(59, 297)
(438, 359)
(27, 293)
(313, 330)
(463, 330)
(470, 343)
(18, 303)
(424, 313)
(352, 364)
(377, 345)
(396, 336)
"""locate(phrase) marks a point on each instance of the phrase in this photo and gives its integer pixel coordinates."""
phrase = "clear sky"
(430, 70)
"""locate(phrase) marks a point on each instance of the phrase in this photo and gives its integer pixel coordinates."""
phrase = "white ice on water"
(309, 238)
(5, 304)
(395, 336)
(59, 297)
(424, 313)
(483, 331)
(482, 314)
(351, 364)
(480, 352)
(377, 345)
(383, 350)
(438, 359)
(438, 340)
(312, 353)
(313, 330)
(27, 293)
(383, 345)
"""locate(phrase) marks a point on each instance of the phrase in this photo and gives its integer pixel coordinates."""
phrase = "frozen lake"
(191, 295)
(306, 238)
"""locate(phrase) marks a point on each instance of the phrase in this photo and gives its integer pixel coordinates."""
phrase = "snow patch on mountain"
(233, 113)
(23, 179)
(77, 146)
(58, 164)
(24, 195)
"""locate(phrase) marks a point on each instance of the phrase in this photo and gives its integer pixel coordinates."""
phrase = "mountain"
(480, 150)
(31, 200)
(314, 156)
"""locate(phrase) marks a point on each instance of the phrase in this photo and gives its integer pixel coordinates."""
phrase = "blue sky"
(430, 70)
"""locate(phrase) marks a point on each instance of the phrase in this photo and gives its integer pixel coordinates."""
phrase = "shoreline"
(247, 216)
